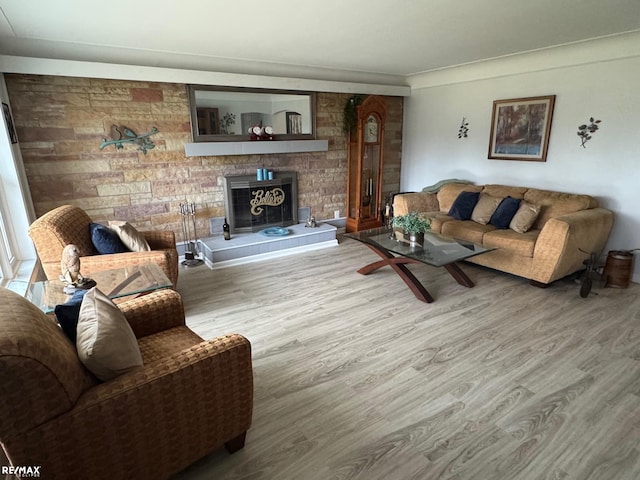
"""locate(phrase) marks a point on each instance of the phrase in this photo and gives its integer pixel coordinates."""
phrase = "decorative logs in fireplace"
(252, 205)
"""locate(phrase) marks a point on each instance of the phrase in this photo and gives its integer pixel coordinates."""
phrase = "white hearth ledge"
(205, 149)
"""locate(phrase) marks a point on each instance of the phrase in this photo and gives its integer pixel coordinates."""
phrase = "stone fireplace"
(252, 205)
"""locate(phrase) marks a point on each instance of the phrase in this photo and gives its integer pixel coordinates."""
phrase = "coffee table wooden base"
(398, 264)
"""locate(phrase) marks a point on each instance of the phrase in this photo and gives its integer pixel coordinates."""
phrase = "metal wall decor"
(121, 135)
(463, 131)
(585, 131)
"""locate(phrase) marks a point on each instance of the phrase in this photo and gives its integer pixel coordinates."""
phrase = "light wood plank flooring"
(356, 379)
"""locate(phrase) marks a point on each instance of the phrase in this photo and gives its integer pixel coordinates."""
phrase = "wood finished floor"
(356, 379)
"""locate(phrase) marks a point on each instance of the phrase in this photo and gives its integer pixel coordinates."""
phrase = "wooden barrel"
(617, 269)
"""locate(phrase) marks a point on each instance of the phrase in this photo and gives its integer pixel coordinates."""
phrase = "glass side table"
(116, 283)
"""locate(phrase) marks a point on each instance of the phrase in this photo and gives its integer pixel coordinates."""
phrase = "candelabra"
(191, 253)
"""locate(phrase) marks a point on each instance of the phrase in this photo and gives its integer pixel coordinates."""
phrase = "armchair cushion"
(105, 342)
(131, 238)
(106, 240)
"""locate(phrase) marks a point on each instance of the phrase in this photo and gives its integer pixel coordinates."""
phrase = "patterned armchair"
(190, 397)
(70, 224)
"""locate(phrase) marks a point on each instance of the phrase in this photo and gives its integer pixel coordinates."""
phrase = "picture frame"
(9, 121)
(520, 128)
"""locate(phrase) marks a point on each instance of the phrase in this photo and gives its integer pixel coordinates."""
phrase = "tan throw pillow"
(105, 342)
(524, 217)
(132, 238)
(485, 207)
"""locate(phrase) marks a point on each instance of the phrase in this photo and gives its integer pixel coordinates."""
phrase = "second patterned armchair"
(70, 224)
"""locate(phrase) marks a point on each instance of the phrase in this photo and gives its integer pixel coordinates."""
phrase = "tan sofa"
(568, 226)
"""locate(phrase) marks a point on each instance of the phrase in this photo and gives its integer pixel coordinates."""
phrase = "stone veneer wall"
(61, 122)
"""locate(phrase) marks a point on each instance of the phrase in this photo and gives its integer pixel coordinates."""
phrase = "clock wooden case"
(365, 161)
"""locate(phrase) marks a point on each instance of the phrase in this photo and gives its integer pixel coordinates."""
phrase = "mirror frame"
(197, 137)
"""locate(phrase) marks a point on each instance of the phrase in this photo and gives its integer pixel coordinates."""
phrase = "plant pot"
(416, 239)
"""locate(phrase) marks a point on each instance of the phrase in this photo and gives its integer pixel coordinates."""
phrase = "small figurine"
(311, 222)
(70, 269)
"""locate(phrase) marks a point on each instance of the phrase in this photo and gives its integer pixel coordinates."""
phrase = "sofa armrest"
(415, 202)
(562, 243)
(153, 420)
(154, 312)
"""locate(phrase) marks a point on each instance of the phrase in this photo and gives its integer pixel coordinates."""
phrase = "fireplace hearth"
(252, 205)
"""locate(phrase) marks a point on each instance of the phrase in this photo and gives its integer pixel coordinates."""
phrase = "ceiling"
(381, 41)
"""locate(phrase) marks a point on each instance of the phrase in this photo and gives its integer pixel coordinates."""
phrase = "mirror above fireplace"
(225, 114)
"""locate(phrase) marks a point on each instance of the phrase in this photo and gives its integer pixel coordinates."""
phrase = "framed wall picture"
(520, 128)
(9, 121)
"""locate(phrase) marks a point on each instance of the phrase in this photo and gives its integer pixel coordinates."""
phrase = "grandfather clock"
(365, 160)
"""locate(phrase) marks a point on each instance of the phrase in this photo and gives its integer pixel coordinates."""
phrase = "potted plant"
(414, 225)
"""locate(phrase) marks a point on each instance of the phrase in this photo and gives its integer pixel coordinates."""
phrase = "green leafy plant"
(412, 223)
(350, 116)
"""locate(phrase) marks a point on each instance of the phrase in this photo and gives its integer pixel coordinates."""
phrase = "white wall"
(608, 168)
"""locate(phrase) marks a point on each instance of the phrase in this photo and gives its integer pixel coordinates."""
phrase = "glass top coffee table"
(436, 250)
(116, 283)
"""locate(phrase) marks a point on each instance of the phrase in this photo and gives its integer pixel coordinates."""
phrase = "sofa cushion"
(504, 191)
(449, 192)
(106, 240)
(463, 205)
(524, 217)
(414, 202)
(554, 204)
(503, 215)
(485, 207)
(437, 220)
(519, 243)
(105, 342)
(466, 230)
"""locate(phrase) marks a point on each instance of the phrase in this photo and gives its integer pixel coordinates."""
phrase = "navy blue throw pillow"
(501, 218)
(67, 314)
(463, 205)
(106, 240)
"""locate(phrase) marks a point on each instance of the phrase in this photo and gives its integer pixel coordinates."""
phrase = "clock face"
(256, 130)
(371, 130)
(268, 130)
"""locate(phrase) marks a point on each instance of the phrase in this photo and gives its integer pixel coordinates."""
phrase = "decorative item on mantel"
(585, 130)
(258, 132)
(70, 271)
(191, 254)
(121, 134)
(311, 222)
(227, 120)
(463, 131)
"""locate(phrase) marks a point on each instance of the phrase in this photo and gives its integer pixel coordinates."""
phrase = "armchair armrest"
(154, 312)
(415, 202)
(160, 239)
(562, 243)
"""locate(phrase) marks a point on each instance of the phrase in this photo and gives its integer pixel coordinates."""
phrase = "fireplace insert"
(252, 205)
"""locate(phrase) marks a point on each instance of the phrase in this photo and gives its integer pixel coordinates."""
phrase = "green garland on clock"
(350, 117)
